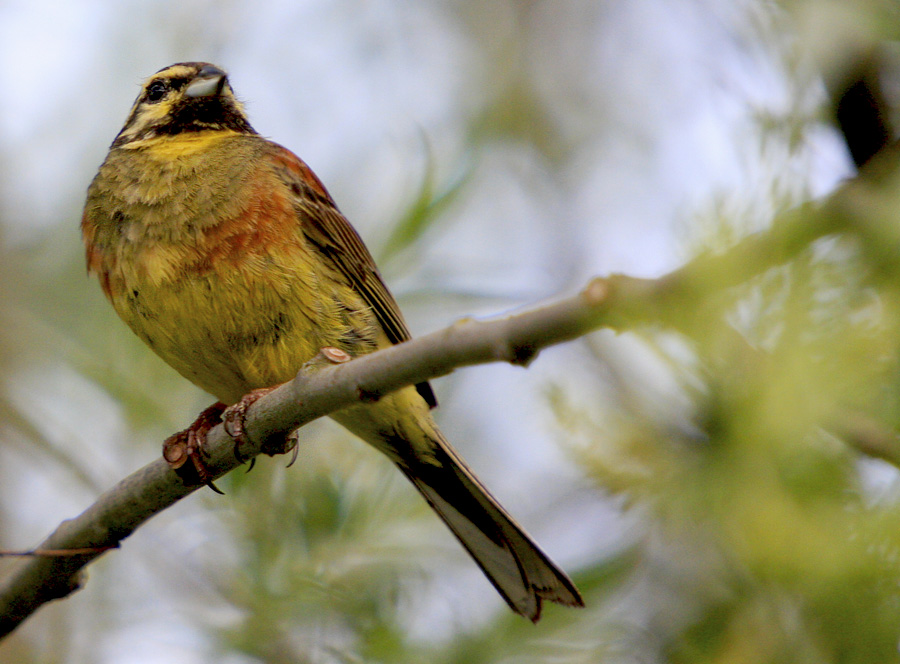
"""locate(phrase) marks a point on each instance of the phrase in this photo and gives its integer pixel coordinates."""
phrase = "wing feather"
(335, 238)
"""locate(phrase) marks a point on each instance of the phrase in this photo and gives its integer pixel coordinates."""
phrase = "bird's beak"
(208, 82)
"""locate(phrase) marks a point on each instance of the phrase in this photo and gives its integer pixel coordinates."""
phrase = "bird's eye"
(156, 91)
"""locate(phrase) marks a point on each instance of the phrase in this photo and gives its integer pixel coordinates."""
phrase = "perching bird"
(226, 255)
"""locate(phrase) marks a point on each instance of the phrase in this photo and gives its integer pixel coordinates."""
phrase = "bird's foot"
(233, 419)
(188, 445)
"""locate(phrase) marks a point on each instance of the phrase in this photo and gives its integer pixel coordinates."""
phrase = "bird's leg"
(188, 444)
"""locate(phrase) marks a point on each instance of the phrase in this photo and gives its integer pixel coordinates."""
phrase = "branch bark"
(618, 302)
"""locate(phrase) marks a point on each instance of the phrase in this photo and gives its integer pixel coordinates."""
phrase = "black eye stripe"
(157, 89)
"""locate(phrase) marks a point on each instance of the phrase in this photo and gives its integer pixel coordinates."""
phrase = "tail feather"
(522, 574)
(400, 425)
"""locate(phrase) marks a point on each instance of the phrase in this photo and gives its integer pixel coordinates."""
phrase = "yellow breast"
(200, 251)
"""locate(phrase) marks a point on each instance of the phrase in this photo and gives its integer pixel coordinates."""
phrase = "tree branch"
(618, 302)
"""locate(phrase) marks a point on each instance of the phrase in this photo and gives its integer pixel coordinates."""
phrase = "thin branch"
(868, 436)
(618, 302)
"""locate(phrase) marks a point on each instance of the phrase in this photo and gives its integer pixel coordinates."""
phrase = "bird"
(226, 255)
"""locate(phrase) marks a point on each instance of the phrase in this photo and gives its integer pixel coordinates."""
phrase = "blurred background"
(492, 153)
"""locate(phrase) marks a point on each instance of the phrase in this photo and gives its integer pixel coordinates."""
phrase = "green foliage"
(762, 527)
(424, 211)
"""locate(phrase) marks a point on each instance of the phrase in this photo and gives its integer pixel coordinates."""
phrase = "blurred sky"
(641, 117)
(660, 89)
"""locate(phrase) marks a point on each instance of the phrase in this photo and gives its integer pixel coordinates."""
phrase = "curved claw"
(292, 445)
(189, 445)
(294, 454)
(203, 473)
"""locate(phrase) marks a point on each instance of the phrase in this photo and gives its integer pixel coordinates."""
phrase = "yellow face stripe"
(150, 117)
(175, 71)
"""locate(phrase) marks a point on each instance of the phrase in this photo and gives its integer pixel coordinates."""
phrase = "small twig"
(51, 553)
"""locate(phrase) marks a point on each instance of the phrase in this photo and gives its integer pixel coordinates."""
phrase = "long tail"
(400, 425)
(510, 559)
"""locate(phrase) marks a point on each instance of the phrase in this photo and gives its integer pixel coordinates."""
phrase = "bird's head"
(184, 97)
